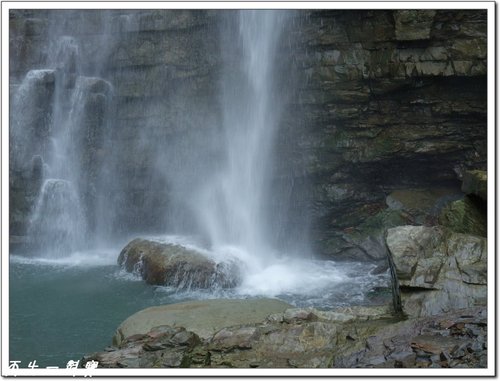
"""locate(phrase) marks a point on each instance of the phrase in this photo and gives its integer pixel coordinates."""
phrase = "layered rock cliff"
(395, 100)
(383, 101)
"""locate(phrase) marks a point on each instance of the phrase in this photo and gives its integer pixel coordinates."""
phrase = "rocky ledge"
(438, 270)
(350, 337)
(217, 314)
(438, 320)
(174, 265)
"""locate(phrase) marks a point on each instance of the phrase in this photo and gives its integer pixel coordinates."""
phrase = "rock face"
(308, 338)
(422, 206)
(438, 270)
(415, 206)
(465, 216)
(385, 91)
(202, 317)
(173, 265)
(413, 25)
(476, 183)
(382, 100)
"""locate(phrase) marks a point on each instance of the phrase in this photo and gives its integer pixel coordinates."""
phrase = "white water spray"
(73, 116)
(232, 205)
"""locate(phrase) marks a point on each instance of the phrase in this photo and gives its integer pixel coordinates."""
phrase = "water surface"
(60, 312)
(62, 309)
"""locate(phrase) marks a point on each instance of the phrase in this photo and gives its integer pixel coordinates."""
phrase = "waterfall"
(58, 224)
(31, 117)
(232, 205)
(226, 200)
(143, 123)
(58, 118)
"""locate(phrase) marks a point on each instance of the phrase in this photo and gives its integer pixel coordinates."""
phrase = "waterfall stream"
(230, 200)
(205, 170)
(73, 108)
(232, 204)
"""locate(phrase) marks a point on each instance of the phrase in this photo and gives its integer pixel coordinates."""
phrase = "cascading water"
(57, 224)
(73, 118)
(188, 141)
(232, 205)
(188, 156)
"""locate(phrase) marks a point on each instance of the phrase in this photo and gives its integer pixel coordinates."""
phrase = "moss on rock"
(464, 216)
(476, 183)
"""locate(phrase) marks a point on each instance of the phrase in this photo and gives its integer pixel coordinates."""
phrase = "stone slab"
(203, 317)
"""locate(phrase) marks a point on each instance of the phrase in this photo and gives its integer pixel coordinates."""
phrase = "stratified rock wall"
(390, 100)
(383, 100)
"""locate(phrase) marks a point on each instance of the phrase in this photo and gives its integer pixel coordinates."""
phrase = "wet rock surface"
(216, 313)
(306, 338)
(422, 206)
(174, 265)
(384, 131)
(438, 270)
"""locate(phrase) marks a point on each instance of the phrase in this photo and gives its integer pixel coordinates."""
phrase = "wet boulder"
(172, 265)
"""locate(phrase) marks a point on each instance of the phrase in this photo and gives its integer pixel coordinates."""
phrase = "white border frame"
(343, 372)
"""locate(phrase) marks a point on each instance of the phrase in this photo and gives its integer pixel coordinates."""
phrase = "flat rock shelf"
(352, 337)
(202, 317)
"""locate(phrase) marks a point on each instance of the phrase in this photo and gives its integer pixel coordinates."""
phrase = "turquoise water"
(62, 309)
(60, 312)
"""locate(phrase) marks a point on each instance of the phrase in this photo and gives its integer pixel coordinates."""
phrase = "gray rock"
(447, 269)
(422, 206)
(379, 343)
(202, 317)
(413, 24)
(299, 314)
(470, 253)
(418, 253)
(227, 339)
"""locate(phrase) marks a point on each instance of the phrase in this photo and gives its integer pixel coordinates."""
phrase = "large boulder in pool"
(176, 266)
